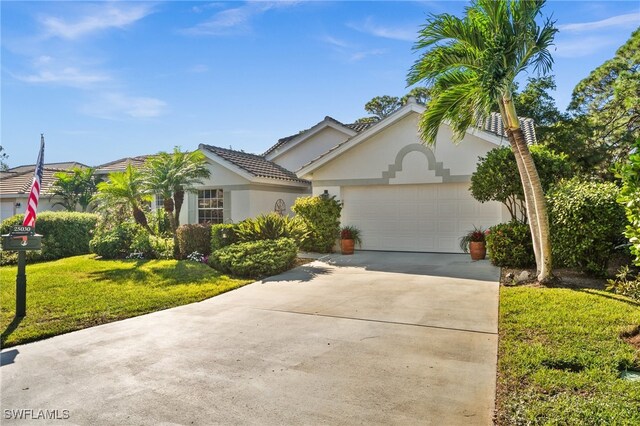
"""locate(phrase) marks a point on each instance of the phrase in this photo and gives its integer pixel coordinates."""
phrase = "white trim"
(302, 137)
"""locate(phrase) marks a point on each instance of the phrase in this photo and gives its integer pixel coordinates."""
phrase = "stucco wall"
(8, 206)
(309, 149)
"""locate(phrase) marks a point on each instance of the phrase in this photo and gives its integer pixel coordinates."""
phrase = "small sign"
(20, 231)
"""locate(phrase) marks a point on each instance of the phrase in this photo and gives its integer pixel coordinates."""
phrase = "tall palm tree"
(471, 64)
(172, 175)
(125, 189)
(73, 188)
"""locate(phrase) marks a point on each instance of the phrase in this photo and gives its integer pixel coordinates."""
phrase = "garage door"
(429, 217)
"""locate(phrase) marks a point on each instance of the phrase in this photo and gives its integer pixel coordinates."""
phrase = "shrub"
(630, 199)
(271, 227)
(64, 234)
(116, 243)
(625, 284)
(162, 248)
(510, 245)
(586, 224)
(218, 232)
(321, 215)
(255, 259)
(194, 238)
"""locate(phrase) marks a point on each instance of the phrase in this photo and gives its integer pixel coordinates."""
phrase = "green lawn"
(79, 292)
(560, 356)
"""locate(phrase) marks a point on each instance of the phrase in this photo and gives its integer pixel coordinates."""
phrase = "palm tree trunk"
(168, 207)
(178, 199)
(141, 218)
(534, 195)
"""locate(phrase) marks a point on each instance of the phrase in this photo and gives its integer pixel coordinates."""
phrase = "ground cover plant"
(86, 292)
(561, 353)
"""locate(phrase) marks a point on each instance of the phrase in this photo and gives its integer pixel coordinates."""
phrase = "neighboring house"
(15, 185)
(403, 195)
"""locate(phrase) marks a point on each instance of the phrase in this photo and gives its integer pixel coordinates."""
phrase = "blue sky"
(107, 80)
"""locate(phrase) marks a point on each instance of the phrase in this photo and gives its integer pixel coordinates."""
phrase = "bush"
(255, 259)
(321, 215)
(217, 239)
(625, 284)
(117, 242)
(510, 245)
(586, 224)
(64, 234)
(162, 248)
(271, 226)
(194, 238)
(630, 199)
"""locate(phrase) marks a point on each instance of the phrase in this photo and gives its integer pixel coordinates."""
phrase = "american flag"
(34, 195)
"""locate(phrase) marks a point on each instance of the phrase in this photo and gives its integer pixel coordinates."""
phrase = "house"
(403, 195)
(15, 185)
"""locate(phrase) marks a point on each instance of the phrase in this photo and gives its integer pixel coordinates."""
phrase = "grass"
(80, 292)
(560, 356)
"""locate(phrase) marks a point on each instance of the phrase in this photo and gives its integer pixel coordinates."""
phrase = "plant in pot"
(474, 242)
(349, 237)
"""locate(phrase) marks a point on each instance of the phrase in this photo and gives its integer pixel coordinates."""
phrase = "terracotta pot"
(478, 250)
(347, 246)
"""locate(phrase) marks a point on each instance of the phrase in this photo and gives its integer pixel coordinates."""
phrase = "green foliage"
(64, 234)
(159, 222)
(218, 233)
(349, 232)
(194, 238)
(75, 188)
(161, 248)
(625, 284)
(630, 199)
(3, 160)
(271, 226)
(116, 242)
(321, 215)
(476, 235)
(255, 259)
(510, 245)
(586, 224)
(535, 101)
(497, 179)
(383, 106)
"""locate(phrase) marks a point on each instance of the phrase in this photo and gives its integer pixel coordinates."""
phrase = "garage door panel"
(428, 217)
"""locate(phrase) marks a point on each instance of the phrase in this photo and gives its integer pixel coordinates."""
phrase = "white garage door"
(429, 217)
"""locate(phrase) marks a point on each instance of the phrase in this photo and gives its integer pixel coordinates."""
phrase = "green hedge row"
(255, 259)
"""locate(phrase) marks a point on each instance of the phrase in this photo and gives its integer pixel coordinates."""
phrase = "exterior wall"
(264, 201)
(309, 149)
(8, 206)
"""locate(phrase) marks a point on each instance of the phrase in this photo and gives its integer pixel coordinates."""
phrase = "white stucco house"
(403, 195)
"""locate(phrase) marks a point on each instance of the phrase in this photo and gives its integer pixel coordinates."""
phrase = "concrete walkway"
(374, 338)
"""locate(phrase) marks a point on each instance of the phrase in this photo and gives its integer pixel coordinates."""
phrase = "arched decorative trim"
(434, 165)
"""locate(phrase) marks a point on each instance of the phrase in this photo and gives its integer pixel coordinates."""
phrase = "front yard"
(560, 357)
(78, 292)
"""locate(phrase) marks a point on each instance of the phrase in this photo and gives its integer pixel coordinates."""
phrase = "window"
(210, 204)
(159, 202)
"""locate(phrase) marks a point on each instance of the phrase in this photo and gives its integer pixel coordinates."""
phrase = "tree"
(471, 64)
(76, 187)
(629, 197)
(536, 103)
(125, 190)
(383, 106)
(3, 160)
(496, 177)
(609, 101)
(171, 175)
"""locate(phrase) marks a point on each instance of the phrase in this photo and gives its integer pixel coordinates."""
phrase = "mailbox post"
(21, 239)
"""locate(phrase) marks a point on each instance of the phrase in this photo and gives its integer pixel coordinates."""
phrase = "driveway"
(374, 338)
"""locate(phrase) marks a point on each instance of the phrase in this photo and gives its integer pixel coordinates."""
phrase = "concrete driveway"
(374, 338)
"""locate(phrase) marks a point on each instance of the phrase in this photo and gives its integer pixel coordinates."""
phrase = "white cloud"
(118, 105)
(236, 20)
(350, 52)
(358, 56)
(584, 46)
(626, 20)
(336, 42)
(68, 76)
(101, 18)
(368, 26)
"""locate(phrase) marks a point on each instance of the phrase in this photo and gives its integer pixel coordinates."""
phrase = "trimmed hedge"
(118, 242)
(271, 226)
(586, 224)
(64, 234)
(510, 245)
(321, 215)
(217, 241)
(194, 238)
(255, 259)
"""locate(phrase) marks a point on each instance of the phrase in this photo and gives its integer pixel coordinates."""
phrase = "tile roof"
(121, 164)
(494, 124)
(359, 127)
(67, 165)
(254, 164)
(20, 183)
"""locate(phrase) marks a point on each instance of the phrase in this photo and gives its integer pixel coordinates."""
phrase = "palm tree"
(172, 175)
(470, 64)
(125, 189)
(74, 188)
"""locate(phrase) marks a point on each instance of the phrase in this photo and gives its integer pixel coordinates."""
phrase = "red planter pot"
(478, 250)
(347, 246)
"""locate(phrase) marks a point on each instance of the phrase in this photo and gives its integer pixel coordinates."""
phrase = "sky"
(107, 80)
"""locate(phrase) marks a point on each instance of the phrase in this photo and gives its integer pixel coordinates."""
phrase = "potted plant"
(474, 242)
(349, 237)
